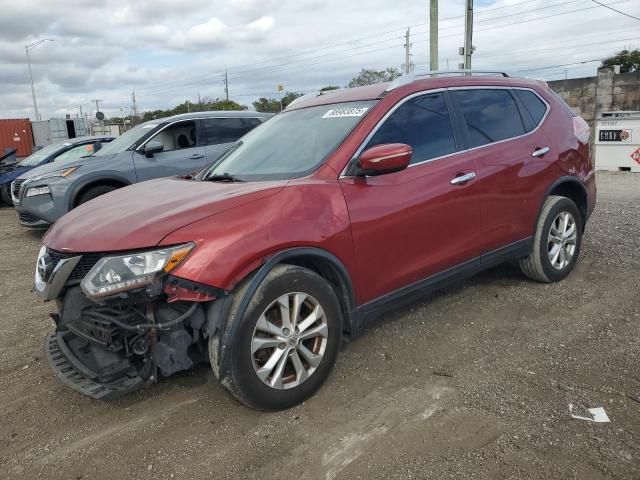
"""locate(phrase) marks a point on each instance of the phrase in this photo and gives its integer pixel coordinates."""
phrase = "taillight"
(581, 130)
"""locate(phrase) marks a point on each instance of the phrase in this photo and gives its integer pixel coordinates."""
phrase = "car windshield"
(290, 145)
(126, 140)
(36, 158)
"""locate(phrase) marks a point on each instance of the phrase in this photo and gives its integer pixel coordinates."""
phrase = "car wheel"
(5, 194)
(286, 342)
(93, 193)
(556, 245)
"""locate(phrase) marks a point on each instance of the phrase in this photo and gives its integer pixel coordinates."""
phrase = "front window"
(291, 144)
(127, 139)
(76, 153)
(38, 157)
(177, 136)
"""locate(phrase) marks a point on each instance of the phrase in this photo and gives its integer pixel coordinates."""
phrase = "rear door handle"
(196, 156)
(462, 179)
(540, 152)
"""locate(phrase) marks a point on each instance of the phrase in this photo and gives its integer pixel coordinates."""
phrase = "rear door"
(420, 221)
(502, 138)
(220, 134)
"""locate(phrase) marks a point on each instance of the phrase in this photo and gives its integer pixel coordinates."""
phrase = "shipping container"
(16, 133)
(55, 130)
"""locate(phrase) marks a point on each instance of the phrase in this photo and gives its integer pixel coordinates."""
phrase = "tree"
(629, 60)
(329, 87)
(273, 105)
(206, 105)
(369, 76)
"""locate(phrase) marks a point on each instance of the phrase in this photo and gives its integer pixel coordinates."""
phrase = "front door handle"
(540, 152)
(196, 156)
(462, 179)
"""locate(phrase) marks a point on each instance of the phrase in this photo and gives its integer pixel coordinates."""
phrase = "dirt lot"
(474, 382)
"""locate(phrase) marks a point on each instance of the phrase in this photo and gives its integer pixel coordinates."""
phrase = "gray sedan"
(177, 145)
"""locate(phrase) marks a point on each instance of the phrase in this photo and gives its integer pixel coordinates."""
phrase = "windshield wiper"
(225, 177)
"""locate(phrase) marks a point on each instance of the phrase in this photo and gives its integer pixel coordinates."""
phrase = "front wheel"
(286, 342)
(5, 194)
(557, 242)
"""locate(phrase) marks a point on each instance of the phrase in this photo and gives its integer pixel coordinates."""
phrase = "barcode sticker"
(346, 112)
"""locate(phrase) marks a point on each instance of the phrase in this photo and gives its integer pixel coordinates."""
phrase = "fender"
(259, 276)
(97, 180)
(558, 181)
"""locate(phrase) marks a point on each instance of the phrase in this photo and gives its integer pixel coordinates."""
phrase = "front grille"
(83, 267)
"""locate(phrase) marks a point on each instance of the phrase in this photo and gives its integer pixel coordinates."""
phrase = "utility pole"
(407, 52)
(199, 101)
(134, 113)
(433, 36)
(81, 115)
(226, 84)
(468, 35)
(188, 109)
(33, 90)
(97, 111)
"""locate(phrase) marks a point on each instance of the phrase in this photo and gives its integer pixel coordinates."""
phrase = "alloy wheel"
(289, 340)
(562, 240)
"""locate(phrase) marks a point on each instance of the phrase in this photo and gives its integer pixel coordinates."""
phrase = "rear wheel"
(94, 192)
(557, 242)
(5, 194)
(286, 342)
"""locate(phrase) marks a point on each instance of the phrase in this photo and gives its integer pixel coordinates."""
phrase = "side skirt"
(371, 311)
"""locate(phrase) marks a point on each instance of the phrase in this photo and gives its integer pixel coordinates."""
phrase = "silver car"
(176, 145)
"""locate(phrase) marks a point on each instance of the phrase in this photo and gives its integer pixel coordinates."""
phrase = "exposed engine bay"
(118, 344)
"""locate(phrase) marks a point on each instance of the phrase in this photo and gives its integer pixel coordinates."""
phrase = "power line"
(618, 11)
(252, 67)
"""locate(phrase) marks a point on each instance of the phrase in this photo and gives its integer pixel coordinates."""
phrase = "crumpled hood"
(141, 215)
(10, 172)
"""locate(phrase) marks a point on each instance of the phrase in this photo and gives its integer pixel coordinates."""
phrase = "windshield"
(36, 159)
(291, 144)
(127, 139)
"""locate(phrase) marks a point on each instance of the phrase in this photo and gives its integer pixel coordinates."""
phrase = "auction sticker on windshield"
(345, 112)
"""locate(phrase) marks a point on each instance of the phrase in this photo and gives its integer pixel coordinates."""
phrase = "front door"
(423, 220)
(183, 152)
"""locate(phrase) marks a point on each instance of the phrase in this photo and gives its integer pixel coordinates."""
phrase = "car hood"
(53, 167)
(141, 215)
(10, 174)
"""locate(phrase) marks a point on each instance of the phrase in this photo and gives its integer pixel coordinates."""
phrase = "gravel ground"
(473, 382)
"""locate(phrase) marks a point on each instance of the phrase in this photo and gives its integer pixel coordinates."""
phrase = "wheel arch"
(322, 262)
(82, 188)
(569, 187)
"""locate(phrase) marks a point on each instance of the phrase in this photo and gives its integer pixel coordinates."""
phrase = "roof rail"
(411, 77)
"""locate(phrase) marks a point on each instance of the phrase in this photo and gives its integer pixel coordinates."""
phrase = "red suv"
(310, 227)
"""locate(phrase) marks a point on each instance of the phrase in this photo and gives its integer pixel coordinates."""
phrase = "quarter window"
(422, 122)
(223, 130)
(533, 104)
(491, 115)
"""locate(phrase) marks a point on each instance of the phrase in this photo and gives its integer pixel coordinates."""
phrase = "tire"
(93, 193)
(249, 377)
(542, 264)
(5, 194)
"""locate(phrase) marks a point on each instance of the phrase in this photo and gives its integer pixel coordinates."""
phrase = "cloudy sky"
(171, 50)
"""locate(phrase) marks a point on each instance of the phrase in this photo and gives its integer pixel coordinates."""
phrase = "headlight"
(65, 172)
(32, 192)
(112, 275)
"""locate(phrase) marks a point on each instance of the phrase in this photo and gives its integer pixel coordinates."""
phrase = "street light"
(33, 91)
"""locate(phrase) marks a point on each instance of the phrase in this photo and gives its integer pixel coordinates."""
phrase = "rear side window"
(251, 123)
(223, 130)
(491, 115)
(536, 107)
(422, 122)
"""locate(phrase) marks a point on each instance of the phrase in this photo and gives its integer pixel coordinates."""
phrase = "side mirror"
(153, 147)
(386, 158)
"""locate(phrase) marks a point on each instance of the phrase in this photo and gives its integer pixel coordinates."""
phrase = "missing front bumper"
(75, 374)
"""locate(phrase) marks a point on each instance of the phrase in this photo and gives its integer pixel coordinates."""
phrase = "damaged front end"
(122, 320)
